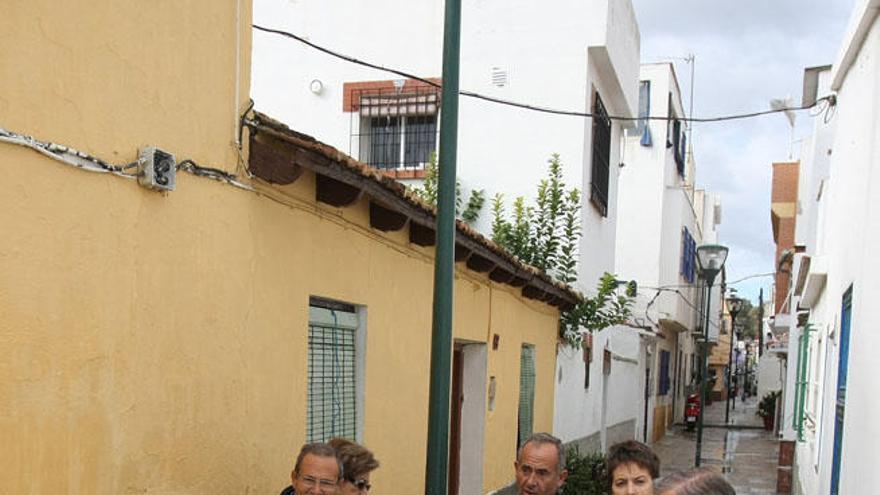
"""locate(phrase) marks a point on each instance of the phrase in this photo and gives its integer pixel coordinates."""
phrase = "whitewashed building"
(579, 55)
(662, 221)
(831, 399)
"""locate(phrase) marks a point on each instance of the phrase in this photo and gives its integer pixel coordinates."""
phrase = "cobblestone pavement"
(745, 453)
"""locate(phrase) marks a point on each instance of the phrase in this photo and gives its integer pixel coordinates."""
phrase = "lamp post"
(711, 258)
(734, 306)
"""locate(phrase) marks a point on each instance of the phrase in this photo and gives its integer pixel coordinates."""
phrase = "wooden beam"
(273, 160)
(421, 235)
(479, 263)
(386, 219)
(461, 253)
(501, 275)
(335, 193)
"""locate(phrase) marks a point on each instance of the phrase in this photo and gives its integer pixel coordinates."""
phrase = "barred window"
(397, 129)
(332, 408)
(601, 157)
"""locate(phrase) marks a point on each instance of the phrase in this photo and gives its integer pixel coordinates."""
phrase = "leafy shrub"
(586, 473)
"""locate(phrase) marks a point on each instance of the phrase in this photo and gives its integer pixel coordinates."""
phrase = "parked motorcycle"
(691, 411)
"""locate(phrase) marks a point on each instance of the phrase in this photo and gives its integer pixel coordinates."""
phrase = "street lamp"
(734, 306)
(711, 258)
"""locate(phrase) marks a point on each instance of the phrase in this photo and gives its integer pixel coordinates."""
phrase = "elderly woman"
(697, 481)
(632, 467)
(357, 464)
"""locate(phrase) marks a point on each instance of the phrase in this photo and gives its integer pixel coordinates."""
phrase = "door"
(455, 401)
(840, 405)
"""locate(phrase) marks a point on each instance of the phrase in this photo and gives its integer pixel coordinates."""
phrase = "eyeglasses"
(325, 484)
(361, 485)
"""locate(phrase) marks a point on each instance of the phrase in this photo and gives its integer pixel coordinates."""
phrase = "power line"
(831, 99)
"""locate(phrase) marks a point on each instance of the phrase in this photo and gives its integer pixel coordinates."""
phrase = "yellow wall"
(157, 343)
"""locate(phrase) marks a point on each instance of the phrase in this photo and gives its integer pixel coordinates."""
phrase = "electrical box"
(157, 169)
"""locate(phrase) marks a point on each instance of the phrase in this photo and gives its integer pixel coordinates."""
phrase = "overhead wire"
(830, 99)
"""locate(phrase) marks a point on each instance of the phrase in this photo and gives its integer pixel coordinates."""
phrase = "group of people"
(631, 466)
(342, 467)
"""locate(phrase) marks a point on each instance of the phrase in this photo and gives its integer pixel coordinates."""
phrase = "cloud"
(746, 53)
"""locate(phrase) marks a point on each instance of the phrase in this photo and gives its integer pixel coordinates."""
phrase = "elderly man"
(540, 466)
(317, 471)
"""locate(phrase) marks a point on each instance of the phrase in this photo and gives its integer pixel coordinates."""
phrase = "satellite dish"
(786, 104)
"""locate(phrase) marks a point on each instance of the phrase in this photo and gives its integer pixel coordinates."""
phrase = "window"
(688, 265)
(526, 394)
(676, 139)
(397, 128)
(601, 157)
(643, 130)
(332, 402)
(663, 386)
(679, 148)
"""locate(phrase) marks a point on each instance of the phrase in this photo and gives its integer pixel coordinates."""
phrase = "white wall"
(847, 235)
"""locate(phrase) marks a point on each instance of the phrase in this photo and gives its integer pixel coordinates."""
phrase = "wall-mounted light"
(316, 86)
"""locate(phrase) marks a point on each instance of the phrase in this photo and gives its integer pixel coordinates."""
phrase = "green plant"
(428, 193)
(586, 473)
(546, 236)
(767, 406)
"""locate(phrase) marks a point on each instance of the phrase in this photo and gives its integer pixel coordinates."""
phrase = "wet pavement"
(745, 453)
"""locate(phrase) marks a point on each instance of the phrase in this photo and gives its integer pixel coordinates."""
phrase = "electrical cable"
(831, 99)
(67, 155)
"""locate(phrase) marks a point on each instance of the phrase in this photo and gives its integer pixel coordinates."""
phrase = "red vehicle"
(691, 411)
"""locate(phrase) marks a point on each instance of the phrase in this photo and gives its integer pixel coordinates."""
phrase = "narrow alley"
(744, 452)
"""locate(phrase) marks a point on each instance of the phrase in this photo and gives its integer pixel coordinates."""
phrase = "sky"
(746, 53)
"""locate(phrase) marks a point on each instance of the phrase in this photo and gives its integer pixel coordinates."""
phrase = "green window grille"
(526, 394)
(332, 384)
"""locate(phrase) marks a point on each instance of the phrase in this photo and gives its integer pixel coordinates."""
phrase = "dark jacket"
(288, 491)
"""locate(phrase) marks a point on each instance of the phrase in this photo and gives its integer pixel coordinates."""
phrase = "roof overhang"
(864, 16)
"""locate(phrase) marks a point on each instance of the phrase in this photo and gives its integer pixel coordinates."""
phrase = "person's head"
(317, 470)
(357, 464)
(632, 467)
(540, 465)
(697, 481)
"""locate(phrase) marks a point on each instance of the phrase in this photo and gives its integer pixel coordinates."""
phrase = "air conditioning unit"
(157, 169)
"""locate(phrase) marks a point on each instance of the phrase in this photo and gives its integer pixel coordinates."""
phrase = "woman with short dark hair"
(632, 467)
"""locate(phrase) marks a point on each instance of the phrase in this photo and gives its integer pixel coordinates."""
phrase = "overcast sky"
(746, 52)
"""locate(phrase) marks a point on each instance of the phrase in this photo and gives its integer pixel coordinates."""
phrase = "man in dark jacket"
(317, 471)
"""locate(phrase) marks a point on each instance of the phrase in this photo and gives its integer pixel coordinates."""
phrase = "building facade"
(662, 221)
(580, 56)
(830, 403)
(189, 341)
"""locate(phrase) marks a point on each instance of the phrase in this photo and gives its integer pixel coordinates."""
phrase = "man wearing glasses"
(317, 471)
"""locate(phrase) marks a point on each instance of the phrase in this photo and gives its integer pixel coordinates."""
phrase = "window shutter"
(526, 394)
(331, 402)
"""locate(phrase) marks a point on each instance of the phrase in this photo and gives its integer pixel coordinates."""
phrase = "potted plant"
(767, 409)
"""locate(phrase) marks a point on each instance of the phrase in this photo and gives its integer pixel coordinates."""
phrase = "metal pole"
(441, 340)
(704, 372)
(730, 368)
(761, 322)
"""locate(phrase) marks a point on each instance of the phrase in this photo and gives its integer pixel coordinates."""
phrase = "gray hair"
(317, 449)
(541, 439)
(697, 481)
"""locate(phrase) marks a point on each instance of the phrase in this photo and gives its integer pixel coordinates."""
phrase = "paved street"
(745, 453)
